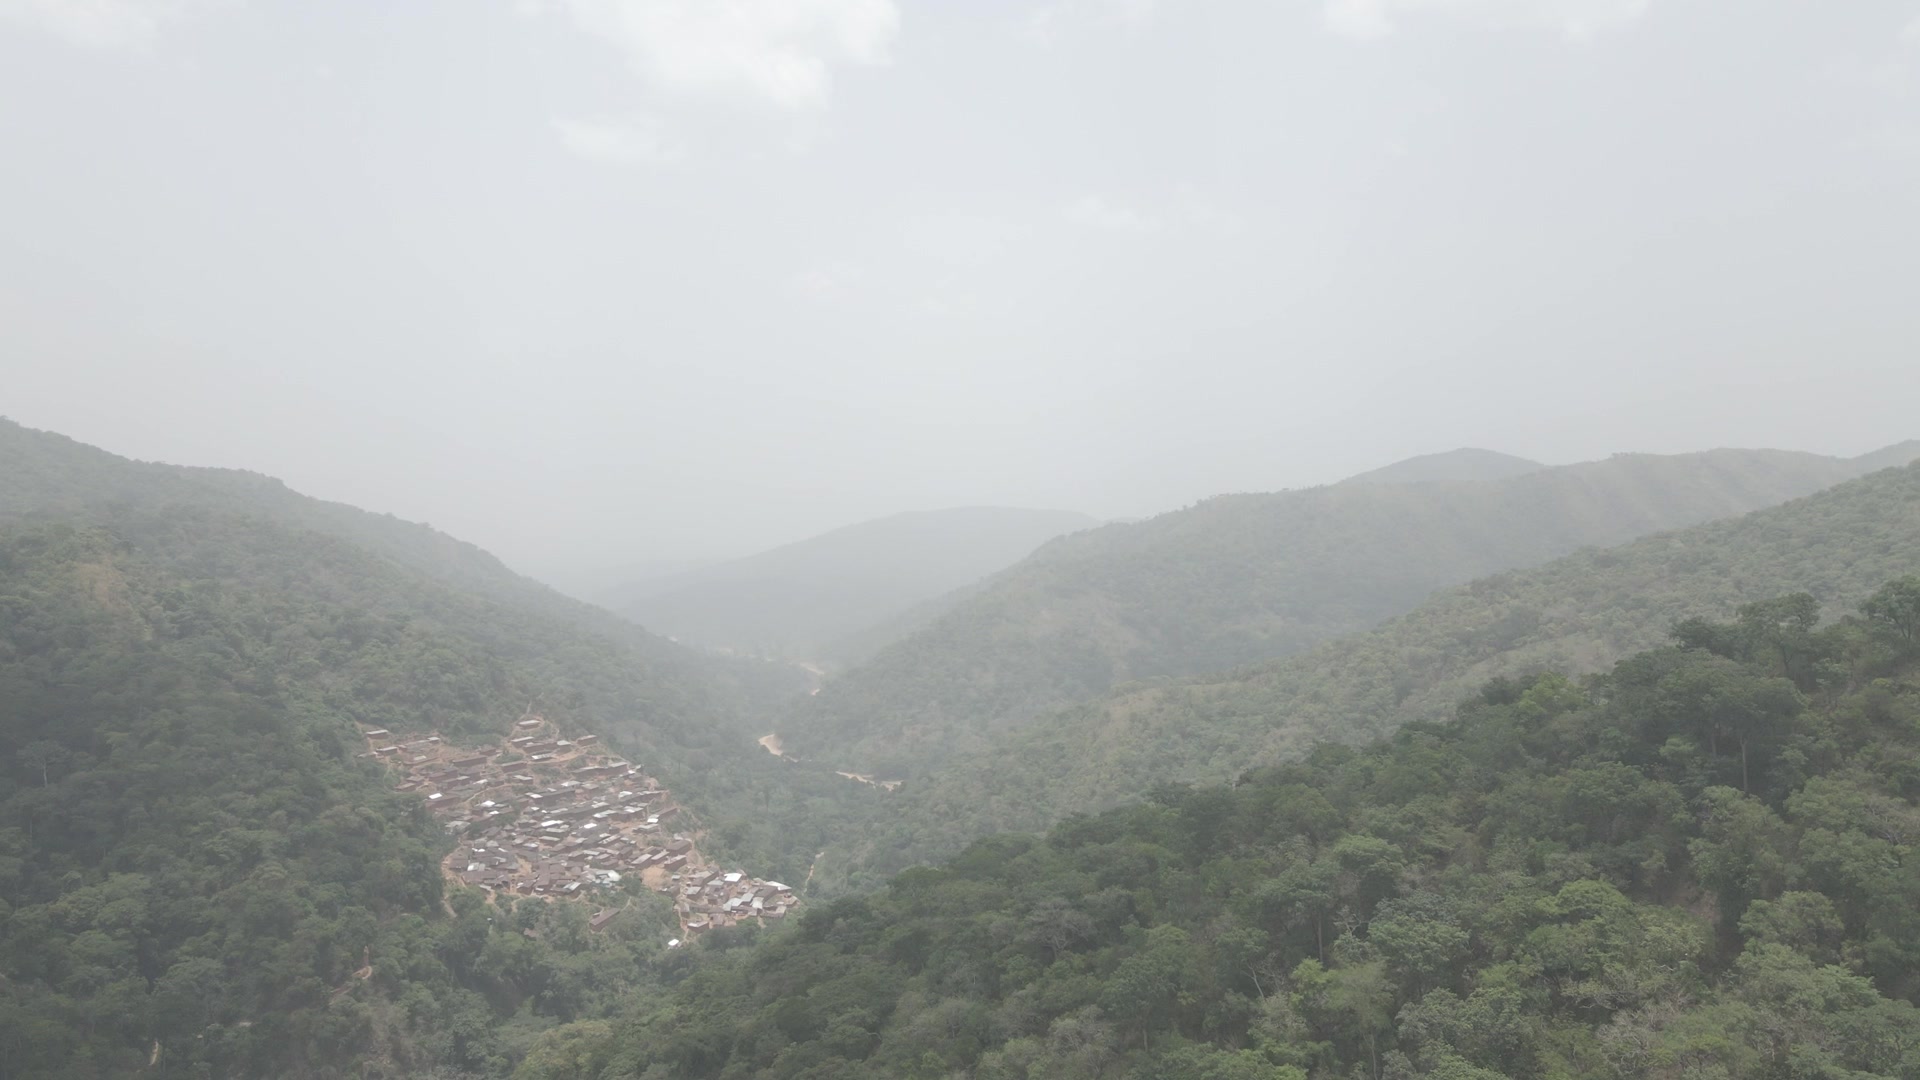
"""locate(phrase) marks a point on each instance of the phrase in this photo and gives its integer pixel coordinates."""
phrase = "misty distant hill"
(1244, 578)
(798, 600)
(1575, 614)
(1466, 463)
(1896, 456)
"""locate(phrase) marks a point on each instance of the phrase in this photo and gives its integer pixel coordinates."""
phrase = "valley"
(461, 802)
(913, 540)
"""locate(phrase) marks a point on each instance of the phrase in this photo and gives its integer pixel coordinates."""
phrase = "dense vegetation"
(1242, 579)
(825, 599)
(49, 477)
(420, 630)
(199, 876)
(198, 872)
(1577, 614)
(1703, 864)
(193, 862)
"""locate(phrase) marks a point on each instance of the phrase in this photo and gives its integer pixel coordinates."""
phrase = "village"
(542, 815)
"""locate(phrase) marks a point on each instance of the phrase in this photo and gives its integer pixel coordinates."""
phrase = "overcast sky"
(594, 281)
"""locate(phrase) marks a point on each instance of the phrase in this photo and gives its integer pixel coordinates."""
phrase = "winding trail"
(771, 743)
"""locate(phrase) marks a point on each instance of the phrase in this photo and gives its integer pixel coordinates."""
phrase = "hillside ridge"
(1576, 614)
(1239, 579)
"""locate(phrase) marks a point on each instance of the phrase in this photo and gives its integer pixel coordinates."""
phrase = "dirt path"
(772, 745)
(865, 779)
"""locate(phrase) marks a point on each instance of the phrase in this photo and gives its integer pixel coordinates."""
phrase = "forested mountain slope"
(193, 862)
(1575, 614)
(795, 601)
(48, 477)
(1704, 864)
(46, 474)
(1244, 578)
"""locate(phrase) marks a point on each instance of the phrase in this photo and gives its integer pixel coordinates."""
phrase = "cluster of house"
(542, 815)
(708, 898)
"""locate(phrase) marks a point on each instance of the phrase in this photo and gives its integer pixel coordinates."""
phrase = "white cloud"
(633, 142)
(778, 52)
(1576, 19)
(99, 24)
(1106, 215)
(1910, 33)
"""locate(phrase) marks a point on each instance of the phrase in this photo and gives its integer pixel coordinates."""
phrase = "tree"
(1783, 629)
(1419, 938)
(1895, 609)
(1741, 851)
(1726, 702)
(1803, 921)
(1141, 990)
(43, 755)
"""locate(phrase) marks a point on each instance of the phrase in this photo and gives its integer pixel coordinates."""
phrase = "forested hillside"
(1244, 578)
(1703, 864)
(198, 872)
(49, 477)
(804, 601)
(45, 477)
(1576, 614)
(484, 642)
(195, 858)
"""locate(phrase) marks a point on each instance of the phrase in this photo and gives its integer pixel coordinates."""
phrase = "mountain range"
(1240, 579)
(203, 873)
(1576, 614)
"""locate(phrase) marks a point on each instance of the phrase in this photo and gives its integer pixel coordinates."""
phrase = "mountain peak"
(1468, 463)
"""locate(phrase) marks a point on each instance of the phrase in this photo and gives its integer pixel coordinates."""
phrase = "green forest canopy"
(195, 864)
(1705, 863)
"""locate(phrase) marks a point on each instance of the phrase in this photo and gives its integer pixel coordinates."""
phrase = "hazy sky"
(588, 281)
